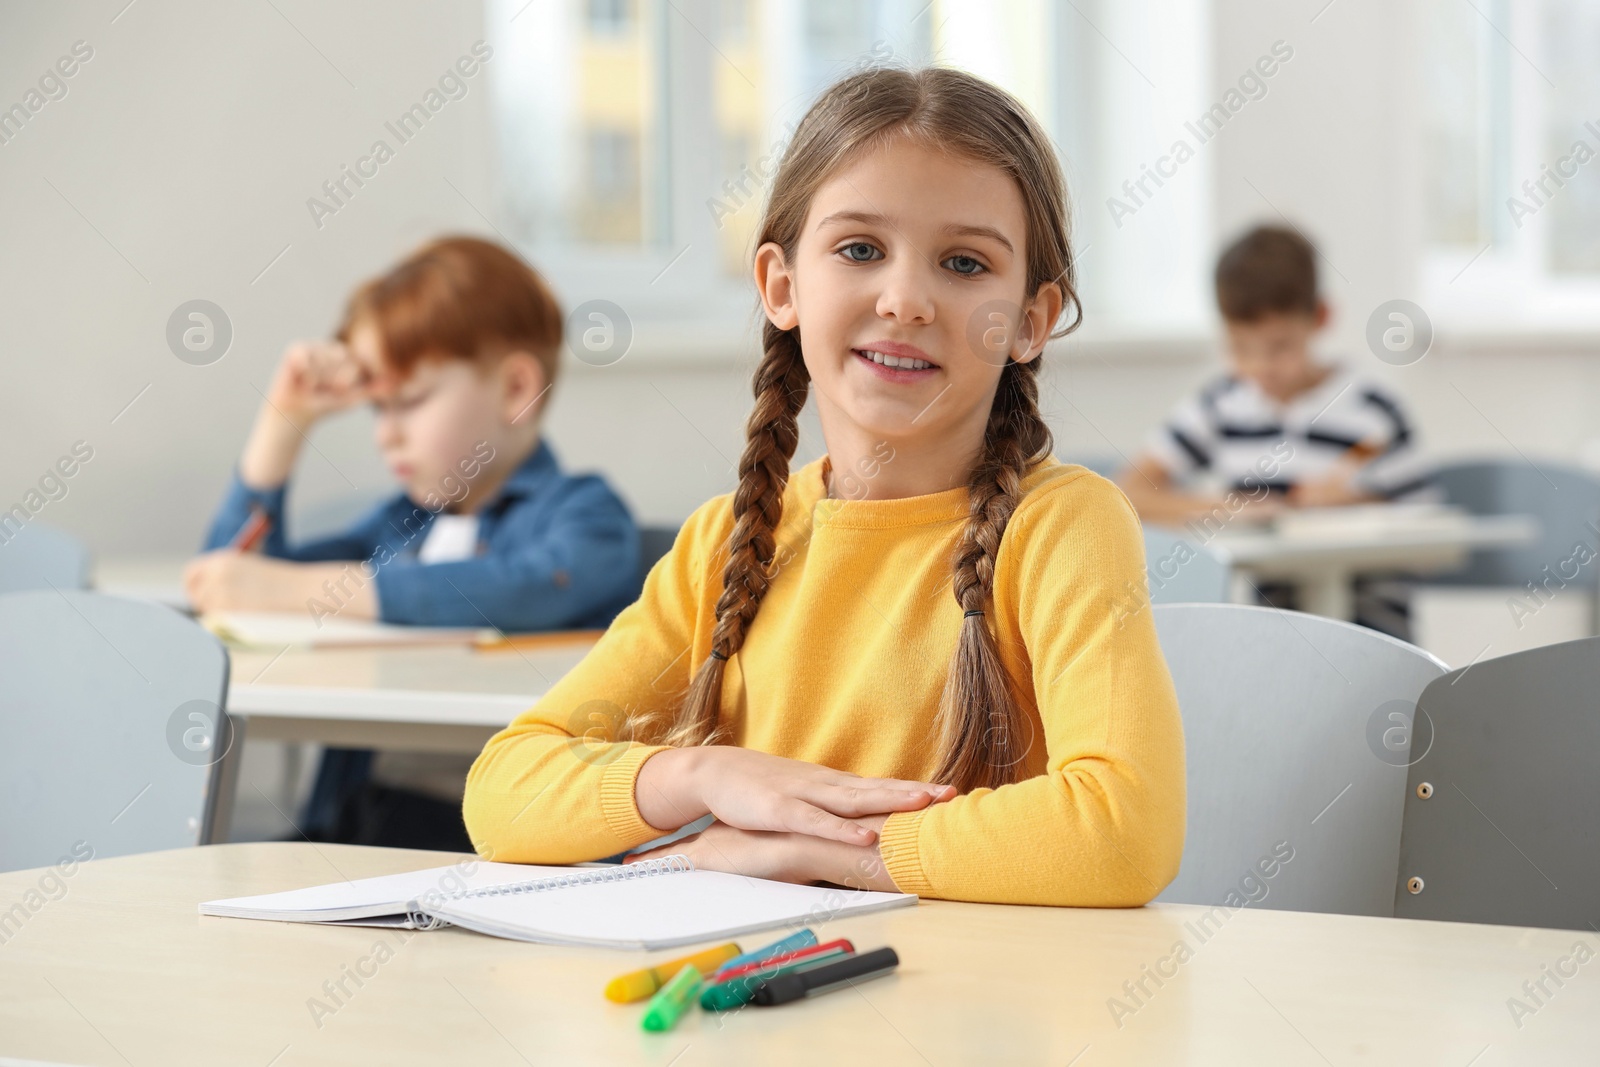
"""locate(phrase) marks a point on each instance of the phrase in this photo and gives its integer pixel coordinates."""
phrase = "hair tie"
(970, 614)
(718, 655)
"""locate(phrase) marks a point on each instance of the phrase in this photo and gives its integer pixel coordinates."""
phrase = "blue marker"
(804, 939)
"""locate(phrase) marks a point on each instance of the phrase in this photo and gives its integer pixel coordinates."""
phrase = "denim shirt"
(555, 552)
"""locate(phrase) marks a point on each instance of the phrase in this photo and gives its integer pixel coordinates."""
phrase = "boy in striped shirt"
(1282, 427)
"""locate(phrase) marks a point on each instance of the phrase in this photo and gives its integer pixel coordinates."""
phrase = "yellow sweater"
(843, 666)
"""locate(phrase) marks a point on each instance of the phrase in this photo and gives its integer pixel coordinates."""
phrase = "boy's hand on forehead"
(318, 378)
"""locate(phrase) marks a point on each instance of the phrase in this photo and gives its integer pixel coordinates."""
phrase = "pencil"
(553, 639)
(254, 531)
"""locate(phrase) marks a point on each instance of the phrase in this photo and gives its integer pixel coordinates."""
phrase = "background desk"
(425, 698)
(1324, 565)
(422, 698)
(122, 970)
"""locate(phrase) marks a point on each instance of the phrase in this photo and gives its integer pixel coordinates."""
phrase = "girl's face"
(917, 255)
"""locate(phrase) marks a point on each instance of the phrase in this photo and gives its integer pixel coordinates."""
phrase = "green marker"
(664, 1008)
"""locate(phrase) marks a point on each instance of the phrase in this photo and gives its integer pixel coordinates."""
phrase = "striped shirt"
(1234, 436)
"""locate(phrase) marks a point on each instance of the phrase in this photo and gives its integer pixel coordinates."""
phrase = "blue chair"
(1502, 817)
(1103, 465)
(654, 543)
(41, 557)
(1565, 500)
(1182, 570)
(1296, 729)
(116, 736)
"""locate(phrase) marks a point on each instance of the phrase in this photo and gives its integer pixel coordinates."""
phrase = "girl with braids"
(921, 662)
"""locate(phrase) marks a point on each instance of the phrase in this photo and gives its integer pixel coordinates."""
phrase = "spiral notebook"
(660, 903)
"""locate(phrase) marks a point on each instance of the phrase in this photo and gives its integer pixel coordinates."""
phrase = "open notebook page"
(650, 906)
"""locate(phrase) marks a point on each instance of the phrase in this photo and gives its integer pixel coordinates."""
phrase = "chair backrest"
(1105, 465)
(38, 557)
(654, 542)
(1502, 815)
(1565, 499)
(1296, 775)
(1183, 570)
(113, 732)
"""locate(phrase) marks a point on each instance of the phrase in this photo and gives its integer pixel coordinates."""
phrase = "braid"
(771, 432)
(981, 742)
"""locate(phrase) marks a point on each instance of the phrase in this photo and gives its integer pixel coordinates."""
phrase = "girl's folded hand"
(755, 791)
(781, 857)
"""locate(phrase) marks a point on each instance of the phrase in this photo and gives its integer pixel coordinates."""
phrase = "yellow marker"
(642, 984)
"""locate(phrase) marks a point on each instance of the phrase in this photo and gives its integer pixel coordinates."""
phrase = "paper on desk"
(274, 630)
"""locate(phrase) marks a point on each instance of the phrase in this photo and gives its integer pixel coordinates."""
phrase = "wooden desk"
(430, 698)
(122, 970)
(1324, 565)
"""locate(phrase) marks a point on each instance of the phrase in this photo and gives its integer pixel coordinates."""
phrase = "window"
(733, 19)
(637, 138)
(1572, 36)
(609, 17)
(1512, 186)
(1464, 141)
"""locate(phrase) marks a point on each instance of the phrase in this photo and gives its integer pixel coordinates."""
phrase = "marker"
(814, 981)
(731, 992)
(804, 939)
(675, 996)
(637, 985)
(798, 955)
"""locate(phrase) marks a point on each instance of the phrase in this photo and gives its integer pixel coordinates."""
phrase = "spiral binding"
(621, 872)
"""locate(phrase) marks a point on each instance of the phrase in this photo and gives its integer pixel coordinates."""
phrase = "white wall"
(179, 164)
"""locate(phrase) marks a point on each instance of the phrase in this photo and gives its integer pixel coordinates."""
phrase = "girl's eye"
(850, 250)
(965, 265)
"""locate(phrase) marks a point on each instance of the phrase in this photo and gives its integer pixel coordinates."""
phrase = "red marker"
(799, 955)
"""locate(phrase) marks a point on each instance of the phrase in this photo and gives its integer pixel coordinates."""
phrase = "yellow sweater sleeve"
(1104, 825)
(553, 787)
